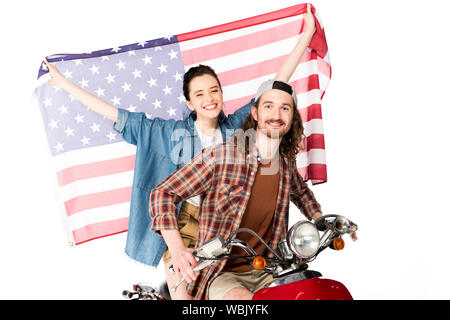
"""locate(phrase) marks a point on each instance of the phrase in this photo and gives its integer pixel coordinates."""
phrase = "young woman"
(162, 146)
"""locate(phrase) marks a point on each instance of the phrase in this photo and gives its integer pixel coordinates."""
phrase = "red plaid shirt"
(224, 177)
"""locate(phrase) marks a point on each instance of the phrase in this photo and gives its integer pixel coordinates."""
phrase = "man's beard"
(274, 133)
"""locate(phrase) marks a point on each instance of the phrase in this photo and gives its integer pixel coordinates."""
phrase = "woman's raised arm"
(86, 98)
(289, 66)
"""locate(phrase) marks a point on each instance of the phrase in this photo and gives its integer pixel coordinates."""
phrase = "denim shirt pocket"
(152, 169)
(229, 199)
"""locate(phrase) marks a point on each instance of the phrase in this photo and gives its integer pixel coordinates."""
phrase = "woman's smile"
(211, 106)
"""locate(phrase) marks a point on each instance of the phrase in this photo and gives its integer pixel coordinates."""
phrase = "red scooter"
(288, 266)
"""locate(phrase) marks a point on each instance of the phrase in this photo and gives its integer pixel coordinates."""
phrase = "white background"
(386, 115)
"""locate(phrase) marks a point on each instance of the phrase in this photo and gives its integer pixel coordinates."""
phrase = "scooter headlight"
(304, 239)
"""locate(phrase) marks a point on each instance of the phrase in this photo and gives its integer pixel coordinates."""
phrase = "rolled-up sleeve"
(122, 118)
(190, 180)
(163, 211)
(130, 125)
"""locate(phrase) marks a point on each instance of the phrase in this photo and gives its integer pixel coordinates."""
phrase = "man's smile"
(275, 124)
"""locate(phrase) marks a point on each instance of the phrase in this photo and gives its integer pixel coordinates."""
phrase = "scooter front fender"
(308, 289)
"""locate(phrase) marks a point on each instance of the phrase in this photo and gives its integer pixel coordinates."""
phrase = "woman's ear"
(189, 104)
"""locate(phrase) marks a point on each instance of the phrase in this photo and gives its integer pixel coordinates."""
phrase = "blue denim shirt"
(162, 146)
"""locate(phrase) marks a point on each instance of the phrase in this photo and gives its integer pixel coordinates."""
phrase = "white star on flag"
(69, 132)
(53, 124)
(142, 96)
(120, 65)
(68, 74)
(173, 54)
(171, 111)
(115, 100)
(94, 69)
(162, 68)
(147, 60)
(48, 102)
(156, 104)
(84, 83)
(178, 76)
(110, 78)
(100, 92)
(59, 147)
(63, 109)
(151, 82)
(95, 127)
(79, 118)
(85, 141)
(167, 90)
(126, 87)
(131, 108)
(137, 73)
(111, 136)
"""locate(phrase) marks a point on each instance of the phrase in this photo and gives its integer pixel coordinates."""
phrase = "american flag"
(94, 166)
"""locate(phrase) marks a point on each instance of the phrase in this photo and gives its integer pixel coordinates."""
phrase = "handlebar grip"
(320, 223)
(340, 223)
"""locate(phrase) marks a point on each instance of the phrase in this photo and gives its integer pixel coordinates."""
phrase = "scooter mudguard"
(308, 289)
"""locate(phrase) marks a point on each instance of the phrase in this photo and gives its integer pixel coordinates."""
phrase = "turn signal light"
(259, 263)
(338, 244)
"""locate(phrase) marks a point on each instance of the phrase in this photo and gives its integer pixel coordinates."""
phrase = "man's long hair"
(291, 143)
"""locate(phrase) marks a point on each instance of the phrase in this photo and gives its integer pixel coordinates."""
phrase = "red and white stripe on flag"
(94, 184)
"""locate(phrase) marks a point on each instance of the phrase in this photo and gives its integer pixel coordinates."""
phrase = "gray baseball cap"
(276, 84)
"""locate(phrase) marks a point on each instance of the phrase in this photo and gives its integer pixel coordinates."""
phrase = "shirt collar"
(190, 121)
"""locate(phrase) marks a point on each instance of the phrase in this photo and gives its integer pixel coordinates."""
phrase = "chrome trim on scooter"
(243, 245)
(297, 276)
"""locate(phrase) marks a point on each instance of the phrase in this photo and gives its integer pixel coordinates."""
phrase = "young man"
(241, 185)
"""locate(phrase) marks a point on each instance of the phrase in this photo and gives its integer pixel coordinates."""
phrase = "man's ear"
(254, 112)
